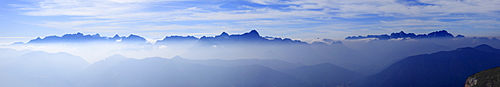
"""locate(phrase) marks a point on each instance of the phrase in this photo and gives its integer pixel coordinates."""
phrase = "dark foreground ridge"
(486, 78)
(436, 34)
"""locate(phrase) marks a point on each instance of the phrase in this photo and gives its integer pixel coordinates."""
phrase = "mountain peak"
(483, 46)
(177, 57)
(134, 38)
(116, 36)
(96, 35)
(442, 33)
(252, 33)
(487, 48)
(224, 34)
(79, 33)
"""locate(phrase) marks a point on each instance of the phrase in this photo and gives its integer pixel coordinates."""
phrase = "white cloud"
(71, 24)
(352, 8)
(130, 15)
(15, 37)
(78, 8)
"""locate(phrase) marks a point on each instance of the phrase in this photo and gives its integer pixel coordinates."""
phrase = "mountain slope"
(446, 68)
(324, 74)
(161, 72)
(41, 69)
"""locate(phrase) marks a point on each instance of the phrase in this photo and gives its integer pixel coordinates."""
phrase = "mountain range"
(63, 70)
(445, 68)
(436, 34)
(247, 60)
(361, 57)
(80, 38)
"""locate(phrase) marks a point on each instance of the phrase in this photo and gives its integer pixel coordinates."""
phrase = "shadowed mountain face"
(446, 68)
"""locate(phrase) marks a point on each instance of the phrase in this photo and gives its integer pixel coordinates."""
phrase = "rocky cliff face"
(486, 78)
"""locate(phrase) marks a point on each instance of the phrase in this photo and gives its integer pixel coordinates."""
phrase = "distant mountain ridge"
(252, 36)
(436, 34)
(176, 39)
(80, 38)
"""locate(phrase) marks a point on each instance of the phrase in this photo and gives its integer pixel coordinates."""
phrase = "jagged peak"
(116, 36)
(443, 31)
(402, 32)
(77, 34)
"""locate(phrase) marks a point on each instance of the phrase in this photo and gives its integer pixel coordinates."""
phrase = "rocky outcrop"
(486, 78)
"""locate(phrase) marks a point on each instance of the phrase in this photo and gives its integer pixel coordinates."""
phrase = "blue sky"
(22, 20)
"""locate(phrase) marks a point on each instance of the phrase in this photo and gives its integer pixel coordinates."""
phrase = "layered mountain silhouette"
(364, 57)
(247, 60)
(41, 69)
(273, 64)
(445, 68)
(252, 36)
(252, 46)
(160, 72)
(121, 71)
(80, 38)
(436, 34)
(323, 75)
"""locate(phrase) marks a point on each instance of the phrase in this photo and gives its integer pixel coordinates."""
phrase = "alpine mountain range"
(400, 59)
